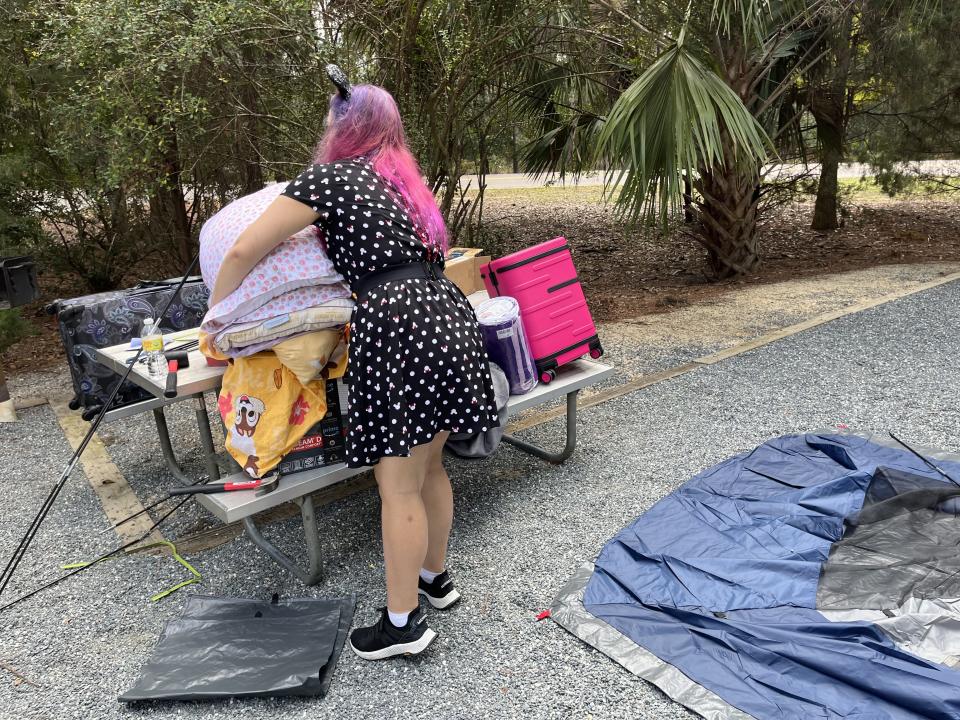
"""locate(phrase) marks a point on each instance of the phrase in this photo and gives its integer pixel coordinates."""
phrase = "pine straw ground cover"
(628, 272)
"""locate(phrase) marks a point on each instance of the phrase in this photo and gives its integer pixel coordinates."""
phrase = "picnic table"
(200, 378)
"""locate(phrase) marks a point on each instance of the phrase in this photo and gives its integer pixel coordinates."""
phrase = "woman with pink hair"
(417, 368)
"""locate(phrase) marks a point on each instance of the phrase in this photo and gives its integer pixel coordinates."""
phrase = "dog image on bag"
(249, 412)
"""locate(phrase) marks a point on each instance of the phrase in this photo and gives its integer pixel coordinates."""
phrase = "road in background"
(848, 171)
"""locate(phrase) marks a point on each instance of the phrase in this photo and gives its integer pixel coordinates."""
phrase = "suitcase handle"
(154, 284)
(488, 271)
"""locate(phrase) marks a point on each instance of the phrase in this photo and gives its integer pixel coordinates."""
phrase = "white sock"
(398, 619)
(428, 576)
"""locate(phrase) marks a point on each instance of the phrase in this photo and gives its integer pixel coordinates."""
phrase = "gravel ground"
(522, 528)
(640, 346)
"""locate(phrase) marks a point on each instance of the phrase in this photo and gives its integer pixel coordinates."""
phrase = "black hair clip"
(339, 78)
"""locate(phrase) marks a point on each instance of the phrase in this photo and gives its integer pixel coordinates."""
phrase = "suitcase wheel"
(548, 376)
(596, 353)
(90, 413)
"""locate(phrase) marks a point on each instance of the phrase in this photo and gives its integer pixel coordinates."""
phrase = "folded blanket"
(296, 275)
(309, 355)
(240, 339)
(484, 444)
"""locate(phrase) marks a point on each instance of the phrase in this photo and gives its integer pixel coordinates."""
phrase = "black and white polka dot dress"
(417, 365)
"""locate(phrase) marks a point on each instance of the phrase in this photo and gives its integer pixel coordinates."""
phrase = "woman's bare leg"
(405, 530)
(438, 503)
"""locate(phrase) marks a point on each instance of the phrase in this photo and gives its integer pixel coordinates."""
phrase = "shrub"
(13, 327)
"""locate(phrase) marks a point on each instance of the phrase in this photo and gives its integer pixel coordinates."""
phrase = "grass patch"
(862, 189)
(854, 189)
(868, 190)
(552, 194)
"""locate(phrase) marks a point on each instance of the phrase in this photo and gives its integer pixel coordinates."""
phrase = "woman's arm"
(282, 218)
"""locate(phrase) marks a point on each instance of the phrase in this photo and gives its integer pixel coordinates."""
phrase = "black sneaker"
(383, 640)
(440, 592)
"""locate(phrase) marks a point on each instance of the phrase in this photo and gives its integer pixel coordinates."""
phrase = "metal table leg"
(206, 442)
(206, 438)
(163, 432)
(571, 439)
(311, 535)
(233, 466)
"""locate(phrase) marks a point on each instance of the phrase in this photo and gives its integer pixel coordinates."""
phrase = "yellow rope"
(197, 577)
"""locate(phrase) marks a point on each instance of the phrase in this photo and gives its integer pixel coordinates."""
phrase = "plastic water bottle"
(152, 340)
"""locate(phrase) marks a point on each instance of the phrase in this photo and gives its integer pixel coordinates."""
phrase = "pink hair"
(369, 125)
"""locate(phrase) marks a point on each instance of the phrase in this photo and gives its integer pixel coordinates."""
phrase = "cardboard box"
(323, 444)
(463, 268)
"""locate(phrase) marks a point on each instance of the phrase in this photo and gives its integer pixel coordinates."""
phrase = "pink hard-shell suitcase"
(555, 315)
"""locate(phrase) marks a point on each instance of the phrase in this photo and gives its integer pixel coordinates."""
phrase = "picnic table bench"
(200, 378)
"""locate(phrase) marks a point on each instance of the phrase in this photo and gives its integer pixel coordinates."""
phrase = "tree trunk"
(828, 98)
(168, 208)
(483, 155)
(727, 210)
(252, 174)
(727, 197)
(249, 137)
(826, 209)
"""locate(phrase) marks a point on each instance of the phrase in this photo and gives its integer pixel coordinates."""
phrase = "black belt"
(406, 271)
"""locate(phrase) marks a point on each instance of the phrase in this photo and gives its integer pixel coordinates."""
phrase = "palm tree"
(707, 109)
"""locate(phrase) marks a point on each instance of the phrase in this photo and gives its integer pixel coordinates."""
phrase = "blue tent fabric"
(720, 580)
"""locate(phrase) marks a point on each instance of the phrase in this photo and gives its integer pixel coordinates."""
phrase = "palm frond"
(752, 19)
(676, 117)
(750, 15)
(567, 148)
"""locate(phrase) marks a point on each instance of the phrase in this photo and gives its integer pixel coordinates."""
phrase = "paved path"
(505, 181)
(522, 528)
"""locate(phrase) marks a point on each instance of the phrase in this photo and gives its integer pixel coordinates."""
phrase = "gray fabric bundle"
(481, 445)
